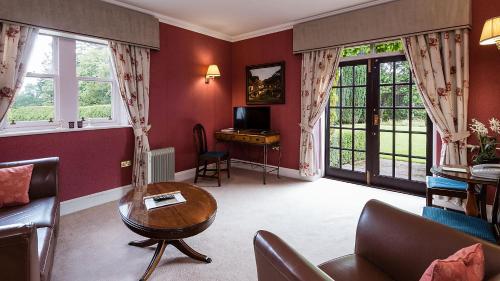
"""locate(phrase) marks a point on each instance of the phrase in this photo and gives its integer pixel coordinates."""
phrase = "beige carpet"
(318, 219)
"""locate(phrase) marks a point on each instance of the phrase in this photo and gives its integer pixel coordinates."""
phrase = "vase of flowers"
(486, 151)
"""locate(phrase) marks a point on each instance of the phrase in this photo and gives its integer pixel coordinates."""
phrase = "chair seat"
(353, 268)
(467, 224)
(213, 155)
(444, 183)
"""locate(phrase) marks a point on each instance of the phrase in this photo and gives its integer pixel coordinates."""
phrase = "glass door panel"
(346, 143)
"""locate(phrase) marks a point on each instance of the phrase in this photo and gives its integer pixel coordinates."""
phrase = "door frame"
(370, 176)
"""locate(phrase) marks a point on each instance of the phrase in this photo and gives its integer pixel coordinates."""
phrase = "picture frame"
(265, 84)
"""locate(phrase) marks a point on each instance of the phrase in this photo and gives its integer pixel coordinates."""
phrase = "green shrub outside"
(37, 113)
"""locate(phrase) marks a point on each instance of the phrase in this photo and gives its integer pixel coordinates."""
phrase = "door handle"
(376, 119)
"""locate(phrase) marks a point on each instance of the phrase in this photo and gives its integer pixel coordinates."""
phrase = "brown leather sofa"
(28, 233)
(391, 244)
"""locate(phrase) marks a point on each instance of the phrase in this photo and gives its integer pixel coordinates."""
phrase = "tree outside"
(35, 100)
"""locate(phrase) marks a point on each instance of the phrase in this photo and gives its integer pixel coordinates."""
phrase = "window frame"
(41, 124)
(116, 109)
(66, 107)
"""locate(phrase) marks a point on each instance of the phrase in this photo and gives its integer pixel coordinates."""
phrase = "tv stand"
(266, 139)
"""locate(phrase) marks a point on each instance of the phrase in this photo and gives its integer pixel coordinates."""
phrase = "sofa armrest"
(19, 253)
(44, 179)
(276, 261)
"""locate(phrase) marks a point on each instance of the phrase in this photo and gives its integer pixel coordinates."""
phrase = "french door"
(378, 130)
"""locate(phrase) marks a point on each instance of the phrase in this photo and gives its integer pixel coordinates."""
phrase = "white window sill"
(28, 132)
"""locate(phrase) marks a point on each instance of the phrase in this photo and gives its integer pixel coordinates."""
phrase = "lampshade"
(213, 71)
(491, 32)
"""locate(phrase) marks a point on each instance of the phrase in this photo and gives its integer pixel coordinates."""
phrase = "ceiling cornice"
(264, 31)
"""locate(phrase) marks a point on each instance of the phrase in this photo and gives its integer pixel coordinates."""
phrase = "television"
(252, 118)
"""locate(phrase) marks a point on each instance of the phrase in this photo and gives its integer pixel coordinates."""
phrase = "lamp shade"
(213, 71)
(491, 32)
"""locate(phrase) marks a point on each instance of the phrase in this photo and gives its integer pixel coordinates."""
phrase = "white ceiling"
(234, 20)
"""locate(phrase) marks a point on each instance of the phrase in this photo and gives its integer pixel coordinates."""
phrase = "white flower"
(495, 125)
(479, 128)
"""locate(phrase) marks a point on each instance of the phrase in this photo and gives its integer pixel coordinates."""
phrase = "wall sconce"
(212, 72)
(491, 32)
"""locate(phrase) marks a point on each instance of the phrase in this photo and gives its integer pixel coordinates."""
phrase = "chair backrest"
(200, 139)
(403, 244)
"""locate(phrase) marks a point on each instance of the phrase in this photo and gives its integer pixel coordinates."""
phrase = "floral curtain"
(440, 63)
(131, 64)
(318, 74)
(16, 44)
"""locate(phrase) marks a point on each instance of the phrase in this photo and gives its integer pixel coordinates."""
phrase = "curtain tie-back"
(306, 128)
(454, 137)
(141, 130)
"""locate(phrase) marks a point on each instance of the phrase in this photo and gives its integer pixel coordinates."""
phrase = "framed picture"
(266, 83)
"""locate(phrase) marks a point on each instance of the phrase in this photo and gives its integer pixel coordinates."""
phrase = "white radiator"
(160, 165)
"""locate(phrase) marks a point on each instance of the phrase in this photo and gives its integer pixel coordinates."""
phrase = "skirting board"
(286, 172)
(92, 200)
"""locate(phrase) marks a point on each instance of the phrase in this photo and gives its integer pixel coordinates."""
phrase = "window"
(35, 101)
(95, 82)
(68, 79)
(389, 48)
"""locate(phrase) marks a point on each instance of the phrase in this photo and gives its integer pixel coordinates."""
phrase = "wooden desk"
(266, 140)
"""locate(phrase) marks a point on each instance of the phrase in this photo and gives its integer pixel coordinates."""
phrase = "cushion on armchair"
(466, 264)
(14, 185)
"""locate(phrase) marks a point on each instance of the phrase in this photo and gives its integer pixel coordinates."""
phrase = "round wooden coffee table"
(170, 224)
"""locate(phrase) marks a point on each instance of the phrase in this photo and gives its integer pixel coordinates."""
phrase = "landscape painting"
(266, 83)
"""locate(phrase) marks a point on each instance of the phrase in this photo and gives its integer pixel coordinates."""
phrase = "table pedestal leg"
(154, 261)
(471, 204)
(160, 249)
(188, 251)
(143, 243)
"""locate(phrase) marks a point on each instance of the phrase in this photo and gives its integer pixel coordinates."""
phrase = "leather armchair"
(391, 244)
(28, 233)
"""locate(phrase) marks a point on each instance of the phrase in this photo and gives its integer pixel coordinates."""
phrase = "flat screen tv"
(252, 118)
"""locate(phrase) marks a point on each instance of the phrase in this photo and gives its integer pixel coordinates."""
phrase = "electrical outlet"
(127, 163)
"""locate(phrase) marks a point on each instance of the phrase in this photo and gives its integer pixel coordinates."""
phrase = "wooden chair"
(471, 225)
(452, 188)
(205, 157)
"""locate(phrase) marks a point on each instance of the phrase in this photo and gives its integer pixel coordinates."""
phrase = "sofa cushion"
(46, 246)
(353, 268)
(14, 185)
(466, 264)
(40, 212)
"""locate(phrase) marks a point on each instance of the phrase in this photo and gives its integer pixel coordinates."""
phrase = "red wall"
(285, 118)
(180, 98)
(484, 98)
(89, 160)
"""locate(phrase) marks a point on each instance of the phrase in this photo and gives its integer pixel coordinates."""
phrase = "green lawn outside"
(386, 140)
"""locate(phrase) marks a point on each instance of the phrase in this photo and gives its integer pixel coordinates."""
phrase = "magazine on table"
(163, 199)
